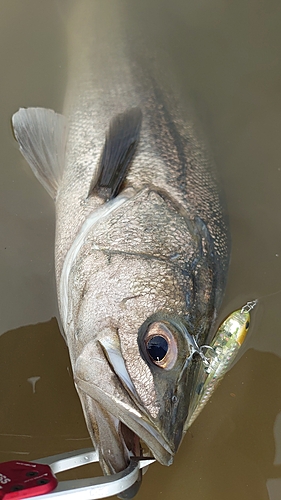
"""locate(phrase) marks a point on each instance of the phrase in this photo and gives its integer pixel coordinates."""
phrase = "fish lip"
(130, 415)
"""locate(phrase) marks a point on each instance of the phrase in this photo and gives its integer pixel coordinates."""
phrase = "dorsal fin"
(41, 134)
(120, 145)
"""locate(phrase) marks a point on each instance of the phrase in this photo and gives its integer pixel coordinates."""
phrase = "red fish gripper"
(20, 479)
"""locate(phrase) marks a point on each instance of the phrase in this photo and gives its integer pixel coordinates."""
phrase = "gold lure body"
(219, 357)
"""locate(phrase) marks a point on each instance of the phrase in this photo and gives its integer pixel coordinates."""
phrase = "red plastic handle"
(25, 479)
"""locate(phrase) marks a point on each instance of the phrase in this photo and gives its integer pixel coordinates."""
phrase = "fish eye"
(157, 347)
(161, 345)
(247, 325)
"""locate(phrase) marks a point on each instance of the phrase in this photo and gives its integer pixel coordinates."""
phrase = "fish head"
(131, 339)
(135, 376)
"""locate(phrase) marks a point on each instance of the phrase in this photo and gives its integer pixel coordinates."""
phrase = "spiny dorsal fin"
(41, 134)
(120, 145)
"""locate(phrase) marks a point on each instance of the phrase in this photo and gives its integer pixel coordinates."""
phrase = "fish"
(142, 239)
(219, 357)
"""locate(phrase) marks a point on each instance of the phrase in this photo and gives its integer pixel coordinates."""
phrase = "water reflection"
(45, 418)
(33, 63)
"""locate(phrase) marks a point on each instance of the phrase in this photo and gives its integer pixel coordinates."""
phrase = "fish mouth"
(135, 424)
(119, 435)
(120, 425)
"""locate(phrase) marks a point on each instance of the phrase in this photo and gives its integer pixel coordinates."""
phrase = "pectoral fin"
(120, 145)
(41, 134)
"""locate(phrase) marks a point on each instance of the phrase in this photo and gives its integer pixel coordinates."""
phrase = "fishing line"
(268, 295)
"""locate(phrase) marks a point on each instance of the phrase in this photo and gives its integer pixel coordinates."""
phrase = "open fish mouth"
(121, 435)
(130, 426)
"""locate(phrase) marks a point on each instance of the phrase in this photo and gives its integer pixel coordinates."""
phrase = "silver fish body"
(141, 259)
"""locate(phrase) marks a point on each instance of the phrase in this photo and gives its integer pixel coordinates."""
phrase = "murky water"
(227, 56)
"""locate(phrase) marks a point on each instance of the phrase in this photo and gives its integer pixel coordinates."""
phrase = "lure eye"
(247, 325)
(161, 345)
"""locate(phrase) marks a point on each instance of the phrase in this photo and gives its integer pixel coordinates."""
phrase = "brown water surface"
(227, 56)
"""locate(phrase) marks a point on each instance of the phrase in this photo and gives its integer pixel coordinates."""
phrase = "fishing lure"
(219, 357)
